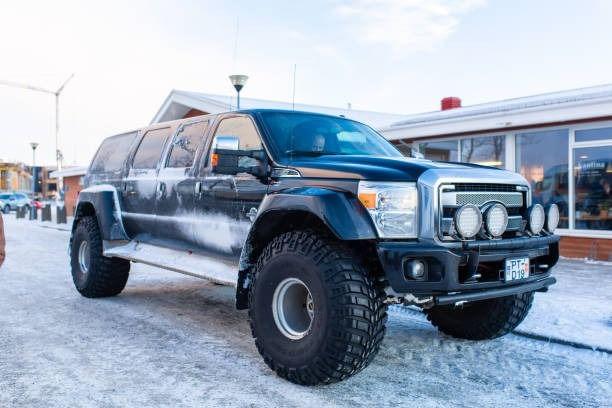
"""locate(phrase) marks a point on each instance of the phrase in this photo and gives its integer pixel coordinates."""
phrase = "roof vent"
(450, 102)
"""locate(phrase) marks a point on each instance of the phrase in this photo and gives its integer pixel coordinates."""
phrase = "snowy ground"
(171, 340)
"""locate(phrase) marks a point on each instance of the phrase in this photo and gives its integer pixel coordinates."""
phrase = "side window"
(150, 149)
(112, 153)
(185, 144)
(243, 128)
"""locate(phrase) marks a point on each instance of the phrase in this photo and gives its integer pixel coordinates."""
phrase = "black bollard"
(61, 215)
(46, 213)
(33, 213)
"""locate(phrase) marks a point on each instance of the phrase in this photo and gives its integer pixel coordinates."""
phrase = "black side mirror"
(226, 156)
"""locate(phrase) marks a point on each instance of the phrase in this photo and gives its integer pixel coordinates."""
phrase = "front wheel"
(93, 274)
(6, 209)
(483, 319)
(316, 313)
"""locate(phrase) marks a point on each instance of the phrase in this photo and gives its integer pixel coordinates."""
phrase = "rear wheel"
(316, 313)
(484, 319)
(93, 274)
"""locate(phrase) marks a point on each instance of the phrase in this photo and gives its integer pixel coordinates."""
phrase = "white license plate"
(516, 269)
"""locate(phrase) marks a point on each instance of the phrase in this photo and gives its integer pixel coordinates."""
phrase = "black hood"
(371, 167)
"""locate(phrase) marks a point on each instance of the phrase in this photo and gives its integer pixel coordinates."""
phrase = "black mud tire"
(481, 320)
(349, 310)
(104, 276)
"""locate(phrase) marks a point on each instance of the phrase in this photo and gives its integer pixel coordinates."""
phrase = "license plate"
(516, 269)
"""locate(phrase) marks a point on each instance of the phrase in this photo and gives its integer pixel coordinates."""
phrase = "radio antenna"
(235, 43)
(293, 97)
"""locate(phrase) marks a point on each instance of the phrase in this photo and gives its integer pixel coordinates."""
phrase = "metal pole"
(238, 101)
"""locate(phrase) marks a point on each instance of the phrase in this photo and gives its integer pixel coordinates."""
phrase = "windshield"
(295, 135)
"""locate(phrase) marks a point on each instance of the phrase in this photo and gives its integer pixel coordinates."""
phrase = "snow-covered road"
(171, 340)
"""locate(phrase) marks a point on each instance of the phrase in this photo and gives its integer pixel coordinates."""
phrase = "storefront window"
(487, 151)
(441, 151)
(592, 187)
(541, 157)
(589, 135)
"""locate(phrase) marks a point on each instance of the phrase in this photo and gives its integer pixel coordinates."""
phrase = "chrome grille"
(452, 196)
(508, 199)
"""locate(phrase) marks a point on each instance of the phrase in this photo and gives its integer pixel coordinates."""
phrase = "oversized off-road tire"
(316, 313)
(484, 319)
(93, 274)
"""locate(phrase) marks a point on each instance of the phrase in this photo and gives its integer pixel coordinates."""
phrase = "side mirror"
(226, 156)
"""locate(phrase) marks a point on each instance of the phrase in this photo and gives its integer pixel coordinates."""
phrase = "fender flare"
(339, 211)
(105, 202)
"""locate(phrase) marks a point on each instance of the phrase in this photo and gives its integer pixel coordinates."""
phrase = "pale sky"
(399, 56)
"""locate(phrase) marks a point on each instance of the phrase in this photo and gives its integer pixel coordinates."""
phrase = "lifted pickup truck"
(319, 223)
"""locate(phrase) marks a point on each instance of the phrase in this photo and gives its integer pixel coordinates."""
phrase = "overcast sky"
(397, 56)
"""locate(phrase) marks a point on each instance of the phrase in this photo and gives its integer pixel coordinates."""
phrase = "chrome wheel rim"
(84, 256)
(293, 308)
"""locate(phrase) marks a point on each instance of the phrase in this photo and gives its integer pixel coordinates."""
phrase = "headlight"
(552, 218)
(468, 220)
(392, 206)
(496, 220)
(536, 219)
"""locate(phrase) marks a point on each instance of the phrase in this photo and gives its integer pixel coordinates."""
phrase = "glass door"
(592, 180)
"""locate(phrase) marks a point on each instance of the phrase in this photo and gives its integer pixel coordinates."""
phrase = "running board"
(182, 261)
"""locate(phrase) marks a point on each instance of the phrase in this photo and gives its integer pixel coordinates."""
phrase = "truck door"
(140, 186)
(225, 203)
(176, 185)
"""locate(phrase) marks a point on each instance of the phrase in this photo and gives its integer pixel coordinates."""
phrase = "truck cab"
(320, 223)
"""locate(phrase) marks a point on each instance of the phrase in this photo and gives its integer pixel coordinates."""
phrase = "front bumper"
(470, 270)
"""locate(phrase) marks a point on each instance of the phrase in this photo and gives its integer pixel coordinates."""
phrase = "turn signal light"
(368, 200)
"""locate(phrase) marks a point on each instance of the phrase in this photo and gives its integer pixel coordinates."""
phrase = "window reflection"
(592, 183)
(541, 157)
(486, 151)
(440, 151)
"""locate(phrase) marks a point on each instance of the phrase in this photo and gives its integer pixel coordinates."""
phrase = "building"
(15, 177)
(73, 184)
(184, 104)
(561, 142)
(45, 186)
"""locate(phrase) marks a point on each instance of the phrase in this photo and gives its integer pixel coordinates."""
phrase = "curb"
(520, 333)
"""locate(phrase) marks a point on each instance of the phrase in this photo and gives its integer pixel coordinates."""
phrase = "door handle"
(161, 188)
(129, 189)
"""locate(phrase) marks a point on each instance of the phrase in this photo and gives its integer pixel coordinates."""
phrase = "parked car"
(319, 223)
(14, 200)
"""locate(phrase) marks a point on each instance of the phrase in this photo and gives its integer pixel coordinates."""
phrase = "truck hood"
(375, 167)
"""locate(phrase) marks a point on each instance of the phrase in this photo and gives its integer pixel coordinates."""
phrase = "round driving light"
(496, 220)
(468, 220)
(552, 218)
(536, 219)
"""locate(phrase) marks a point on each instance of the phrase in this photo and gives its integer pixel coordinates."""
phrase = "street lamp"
(239, 81)
(56, 93)
(34, 145)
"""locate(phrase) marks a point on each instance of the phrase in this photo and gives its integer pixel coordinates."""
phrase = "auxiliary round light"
(536, 218)
(496, 220)
(468, 220)
(552, 218)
